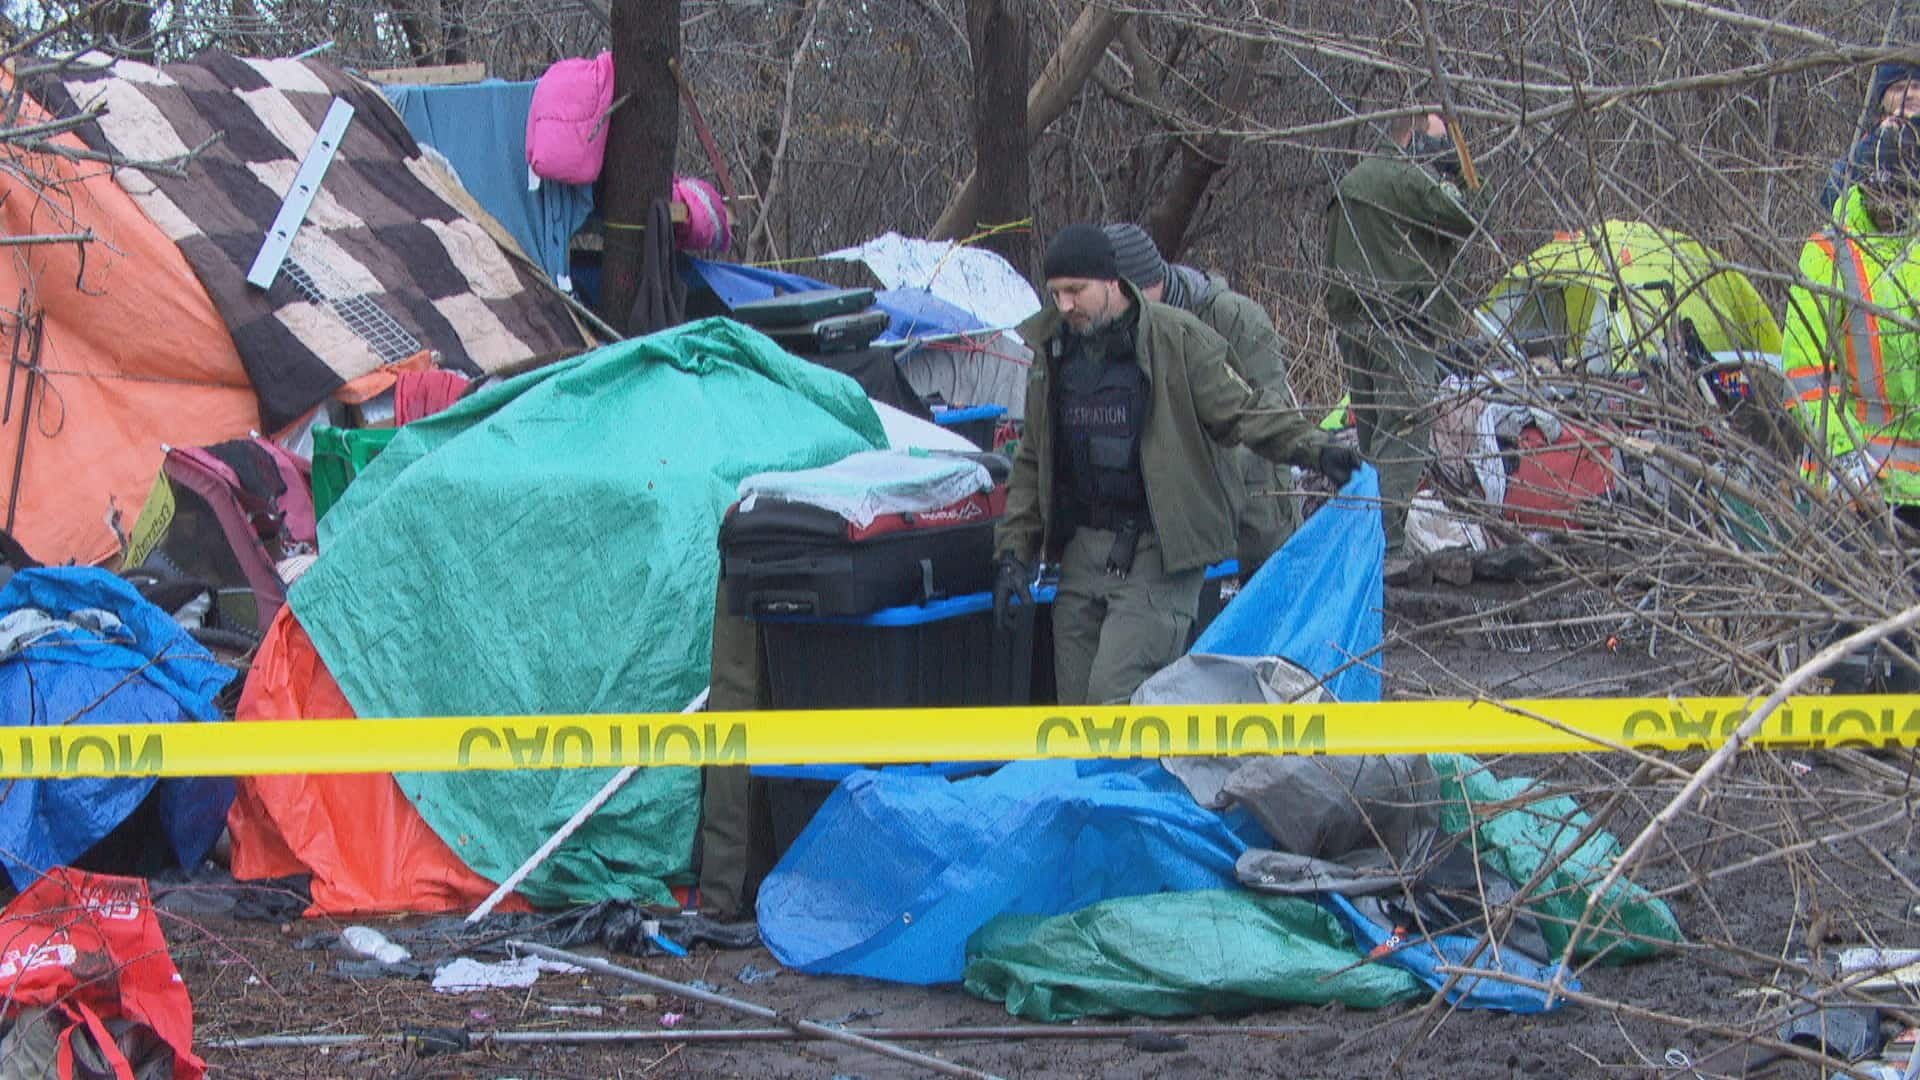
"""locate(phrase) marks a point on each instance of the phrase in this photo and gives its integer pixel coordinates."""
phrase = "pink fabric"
(423, 393)
(210, 478)
(296, 506)
(707, 227)
(567, 122)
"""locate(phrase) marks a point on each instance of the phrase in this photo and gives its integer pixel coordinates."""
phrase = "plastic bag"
(88, 949)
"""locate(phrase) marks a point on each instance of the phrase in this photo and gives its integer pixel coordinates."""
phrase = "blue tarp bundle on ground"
(79, 645)
(915, 313)
(897, 871)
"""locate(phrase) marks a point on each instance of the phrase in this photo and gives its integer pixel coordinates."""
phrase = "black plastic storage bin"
(791, 804)
(786, 557)
(943, 653)
(800, 308)
(939, 654)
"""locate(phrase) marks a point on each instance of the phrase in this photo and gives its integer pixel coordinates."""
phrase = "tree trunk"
(124, 29)
(997, 33)
(1080, 49)
(415, 35)
(642, 135)
(1202, 159)
(453, 32)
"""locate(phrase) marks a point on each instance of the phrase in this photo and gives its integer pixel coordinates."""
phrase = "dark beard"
(1094, 329)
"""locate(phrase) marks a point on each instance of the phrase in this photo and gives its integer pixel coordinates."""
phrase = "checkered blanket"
(385, 263)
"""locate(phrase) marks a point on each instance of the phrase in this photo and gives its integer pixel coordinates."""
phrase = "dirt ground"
(1786, 854)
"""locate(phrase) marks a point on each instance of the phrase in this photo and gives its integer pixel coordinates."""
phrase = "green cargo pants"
(1111, 633)
(1393, 378)
(1264, 510)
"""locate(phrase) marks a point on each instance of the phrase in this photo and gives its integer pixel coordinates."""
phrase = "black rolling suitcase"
(833, 334)
(801, 308)
(780, 557)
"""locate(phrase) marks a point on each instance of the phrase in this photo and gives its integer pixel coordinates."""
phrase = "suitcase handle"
(783, 602)
(784, 567)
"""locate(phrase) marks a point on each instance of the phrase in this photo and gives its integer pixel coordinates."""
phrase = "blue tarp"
(1318, 601)
(146, 670)
(897, 871)
(482, 129)
(914, 313)
(935, 860)
(1423, 958)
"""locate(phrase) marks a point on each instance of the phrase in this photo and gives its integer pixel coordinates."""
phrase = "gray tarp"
(1352, 825)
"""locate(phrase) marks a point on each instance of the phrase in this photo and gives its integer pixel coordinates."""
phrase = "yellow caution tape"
(876, 736)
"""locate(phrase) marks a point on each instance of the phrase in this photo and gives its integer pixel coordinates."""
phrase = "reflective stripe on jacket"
(1853, 368)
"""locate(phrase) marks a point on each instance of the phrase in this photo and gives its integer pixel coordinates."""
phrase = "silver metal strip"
(306, 184)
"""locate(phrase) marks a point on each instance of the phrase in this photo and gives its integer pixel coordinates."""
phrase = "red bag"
(88, 947)
(1558, 483)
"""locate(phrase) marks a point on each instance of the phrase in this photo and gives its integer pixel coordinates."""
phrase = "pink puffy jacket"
(567, 122)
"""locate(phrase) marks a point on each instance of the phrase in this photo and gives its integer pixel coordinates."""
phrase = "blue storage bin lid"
(951, 607)
(905, 615)
(971, 412)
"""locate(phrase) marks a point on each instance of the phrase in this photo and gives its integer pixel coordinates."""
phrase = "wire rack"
(1501, 629)
(1573, 624)
(322, 284)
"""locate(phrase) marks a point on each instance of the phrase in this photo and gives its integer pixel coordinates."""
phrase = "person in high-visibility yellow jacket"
(1851, 354)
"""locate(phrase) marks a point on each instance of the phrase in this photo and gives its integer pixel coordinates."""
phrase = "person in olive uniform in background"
(1263, 513)
(1394, 226)
(1115, 473)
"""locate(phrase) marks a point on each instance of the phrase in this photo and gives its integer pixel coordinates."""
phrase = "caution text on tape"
(878, 736)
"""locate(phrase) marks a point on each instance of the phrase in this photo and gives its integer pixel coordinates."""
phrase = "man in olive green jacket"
(1394, 225)
(1115, 474)
(1264, 515)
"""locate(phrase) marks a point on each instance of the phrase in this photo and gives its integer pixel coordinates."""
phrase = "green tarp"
(1518, 841)
(1185, 953)
(549, 545)
(1177, 954)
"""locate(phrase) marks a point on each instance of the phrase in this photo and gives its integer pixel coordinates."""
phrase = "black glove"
(1010, 579)
(1338, 463)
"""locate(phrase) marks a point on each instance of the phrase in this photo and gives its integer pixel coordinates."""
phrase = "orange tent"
(132, 356)
(368, 849)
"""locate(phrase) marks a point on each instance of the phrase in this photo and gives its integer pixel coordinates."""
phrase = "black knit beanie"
(1884, 76)
(1081, 251)
(1135, 255)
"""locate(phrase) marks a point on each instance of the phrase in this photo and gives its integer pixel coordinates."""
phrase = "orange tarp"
(367, 848)
(134, 353)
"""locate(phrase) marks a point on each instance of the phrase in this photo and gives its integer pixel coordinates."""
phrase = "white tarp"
(972, 279)
(988, 368)
(862, 486)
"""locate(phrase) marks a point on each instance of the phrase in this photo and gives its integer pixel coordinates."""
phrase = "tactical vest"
(1100, 413)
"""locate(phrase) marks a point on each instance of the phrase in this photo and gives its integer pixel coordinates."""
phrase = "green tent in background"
(1605, 298)
(550, 545)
